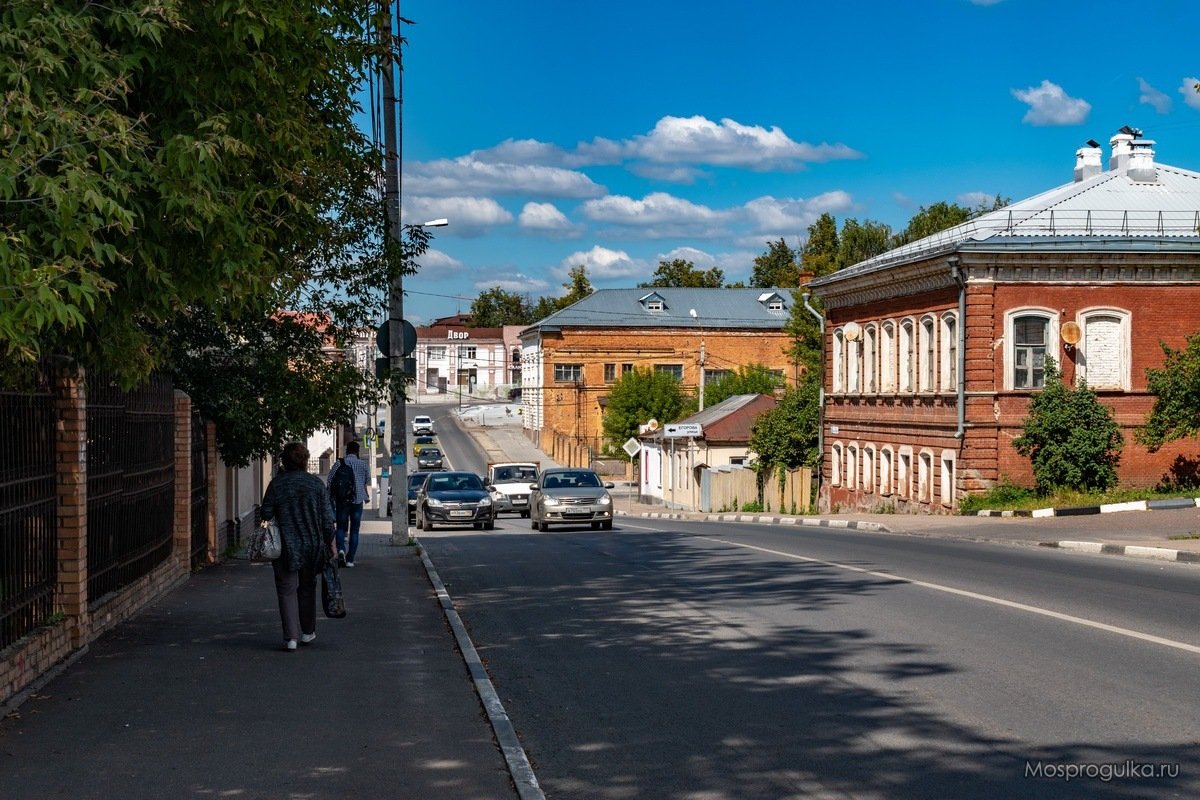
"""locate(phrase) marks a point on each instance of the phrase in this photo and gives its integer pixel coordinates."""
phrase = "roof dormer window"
(653, 302)
(772, 300)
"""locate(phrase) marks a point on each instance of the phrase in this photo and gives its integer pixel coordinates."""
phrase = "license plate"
(462, 513)
(519, 502)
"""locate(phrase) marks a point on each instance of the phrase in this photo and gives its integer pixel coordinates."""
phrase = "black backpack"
(341, 489)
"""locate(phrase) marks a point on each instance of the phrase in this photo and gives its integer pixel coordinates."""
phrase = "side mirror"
(533, 487)
(610, 485)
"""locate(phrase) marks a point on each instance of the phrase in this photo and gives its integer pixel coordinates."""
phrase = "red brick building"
(933, 349)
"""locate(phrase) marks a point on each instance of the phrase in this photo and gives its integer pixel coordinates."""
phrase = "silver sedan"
(570, 496)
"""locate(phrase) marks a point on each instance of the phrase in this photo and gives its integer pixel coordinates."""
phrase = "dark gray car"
(570, 496)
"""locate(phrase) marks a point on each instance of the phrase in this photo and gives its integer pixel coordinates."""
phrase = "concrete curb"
(1106, 508)
(1135, 551)
(519, 767)
(762, 519)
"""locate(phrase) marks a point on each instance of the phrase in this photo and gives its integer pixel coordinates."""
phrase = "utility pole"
(393, 91)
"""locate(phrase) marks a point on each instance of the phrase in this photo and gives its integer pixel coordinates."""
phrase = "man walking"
(347, 483)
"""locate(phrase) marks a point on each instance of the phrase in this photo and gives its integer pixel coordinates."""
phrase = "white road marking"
(1000, 601)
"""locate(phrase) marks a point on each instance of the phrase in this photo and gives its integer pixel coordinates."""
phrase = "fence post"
(182, 544)
(71, 460)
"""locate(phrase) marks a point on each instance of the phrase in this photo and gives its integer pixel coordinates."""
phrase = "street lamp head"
(436, 223)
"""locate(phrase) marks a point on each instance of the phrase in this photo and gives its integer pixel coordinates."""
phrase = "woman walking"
(299, 504)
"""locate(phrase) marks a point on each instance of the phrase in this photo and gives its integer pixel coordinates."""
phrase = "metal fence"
(131, 477)
(28, 512)
(199, 488)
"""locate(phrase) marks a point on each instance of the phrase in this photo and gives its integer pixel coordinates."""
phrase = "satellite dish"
(652, 425)
(852, 330)
(1070, 333)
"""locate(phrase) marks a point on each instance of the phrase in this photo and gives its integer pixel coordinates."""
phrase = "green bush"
(1070, 437)
(754, 506)
(1000, 496)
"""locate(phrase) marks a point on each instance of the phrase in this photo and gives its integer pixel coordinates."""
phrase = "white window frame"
(948, 477)
(868, 468)
(838, 362)
(851, 466)
(887, 356)
(435, 352)
(870, 381)
(925, 476)
(853, 366)
(1010, 358)
(904, 465)
(885, 470)
(927, 354)
(835, 464)
(1126, 347)
(949, 351)
(906, 348)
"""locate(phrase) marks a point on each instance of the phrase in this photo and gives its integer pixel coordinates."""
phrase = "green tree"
(860, 241)
(750, 379)
(776, 267)
(637, 397)
(175, 174)
(681, 273)
(1176, 389)
(1070, 437)
(496, 307)
(786, 436)
(819, 255)
(577, 287)
(930, 220)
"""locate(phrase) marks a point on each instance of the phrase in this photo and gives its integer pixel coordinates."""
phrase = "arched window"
(887, 357)
(885, 470)
(928, 357)
(838, 371)
(835, 464)
(1104, 348)
(868, 468)
(949, 351)
(852, 466)
(870, 342)
(853, 365)
(1030, 334)
(908, 347)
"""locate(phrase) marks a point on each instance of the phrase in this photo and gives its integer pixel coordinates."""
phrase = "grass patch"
(1179, 536)
(1008, 497)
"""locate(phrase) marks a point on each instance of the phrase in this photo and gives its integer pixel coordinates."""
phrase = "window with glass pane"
(674, 370)
(568, 372)
(436, 353)
(466, 351)
(626, 369)
(714, 375)
(928, 355)
(1029, 352)
(610, 373)
(908, 352)
(949, 352)
(868, 360)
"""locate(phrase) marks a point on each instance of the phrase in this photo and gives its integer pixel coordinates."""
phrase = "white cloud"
(516, 282)
(546, 220)
(468, 216)
(601, 263)
(791, 216)
(1050, 105)
(654, 208)
(668, 173)
(700, 258)
(975, 199)
(1153, 97)
(698, 140)
(468, 175)
(1188, 90)
(440, 261)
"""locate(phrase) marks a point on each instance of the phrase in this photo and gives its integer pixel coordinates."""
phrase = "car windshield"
(571, 480)
(451, 483)
(528, 474)
(425, 440)
(416, 479)
(431, 452)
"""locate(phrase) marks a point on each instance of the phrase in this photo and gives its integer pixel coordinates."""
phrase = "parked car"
(421, 442)
(430, 458)
(454, 498)
(422, 424)
(415, 481)
(570, 496)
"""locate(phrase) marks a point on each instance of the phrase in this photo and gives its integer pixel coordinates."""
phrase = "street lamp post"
(696, 317)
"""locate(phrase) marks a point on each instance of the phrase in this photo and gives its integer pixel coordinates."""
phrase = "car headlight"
(497, 496)
(605, 500)
(433, 501)
(485, 502)
(547, 500)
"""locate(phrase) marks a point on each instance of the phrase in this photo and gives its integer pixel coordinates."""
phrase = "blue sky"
(618, 134)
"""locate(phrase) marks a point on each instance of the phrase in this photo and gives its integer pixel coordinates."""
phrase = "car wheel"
(595, 526)
(490, 525)
(524, 514)
(606, 525)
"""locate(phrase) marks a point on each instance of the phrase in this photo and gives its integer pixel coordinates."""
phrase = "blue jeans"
(349, 517)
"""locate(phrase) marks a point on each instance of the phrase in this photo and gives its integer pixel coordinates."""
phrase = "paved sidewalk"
(194, 697)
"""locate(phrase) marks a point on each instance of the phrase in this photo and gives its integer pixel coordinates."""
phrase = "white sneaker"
(305, 638)
(290, 644)
(349, 563)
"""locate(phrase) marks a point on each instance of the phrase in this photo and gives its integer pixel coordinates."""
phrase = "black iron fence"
(131, 481)
(199, 488)
(28, 512)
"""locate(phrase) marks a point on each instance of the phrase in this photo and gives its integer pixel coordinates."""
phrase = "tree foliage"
(930, 220)
(860, 241)
(776, 267)
(1070, 437)
(639, 396)
(749, 379)
(1176, 389)
(819, 255)
(576, 287)
(176, 174)
(785, 437)
(496, 307)
(681, 273)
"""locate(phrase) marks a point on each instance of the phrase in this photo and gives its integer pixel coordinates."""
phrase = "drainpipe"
(956, 272)
(821, 394)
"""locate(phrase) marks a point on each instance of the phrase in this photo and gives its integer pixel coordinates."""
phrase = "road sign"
(408, 338)
(681, 430)
(632, 447)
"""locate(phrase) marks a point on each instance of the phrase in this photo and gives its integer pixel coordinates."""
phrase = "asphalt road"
(671, 659)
